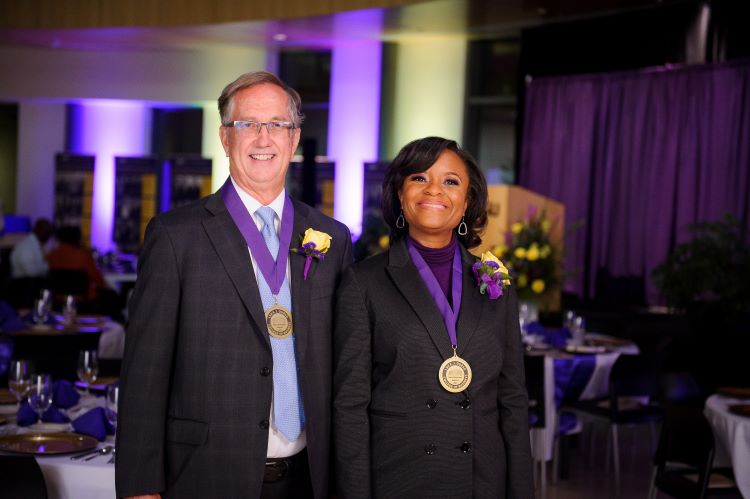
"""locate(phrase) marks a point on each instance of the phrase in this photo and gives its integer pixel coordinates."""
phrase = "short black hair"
(418, 156)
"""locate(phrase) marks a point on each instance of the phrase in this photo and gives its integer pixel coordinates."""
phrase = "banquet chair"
(684, 457)
(534, 371)
(632, 382)
(21, 478)
(68, 282)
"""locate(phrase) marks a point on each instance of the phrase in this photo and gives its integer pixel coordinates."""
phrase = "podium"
(509, 204)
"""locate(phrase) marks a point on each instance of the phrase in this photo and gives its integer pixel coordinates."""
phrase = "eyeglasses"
(274, 128)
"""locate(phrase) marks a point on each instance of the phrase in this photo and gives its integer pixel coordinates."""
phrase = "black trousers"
(288, 478)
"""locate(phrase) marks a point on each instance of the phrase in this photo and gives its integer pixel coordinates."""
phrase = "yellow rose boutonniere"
(315, 244)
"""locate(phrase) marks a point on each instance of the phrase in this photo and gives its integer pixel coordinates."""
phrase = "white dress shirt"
(278, 445)
(27, 258)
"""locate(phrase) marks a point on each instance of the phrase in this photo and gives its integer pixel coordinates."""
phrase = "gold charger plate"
(46, 444)
(740, 409)
(586, 349)
(6, 397)
(738, 392)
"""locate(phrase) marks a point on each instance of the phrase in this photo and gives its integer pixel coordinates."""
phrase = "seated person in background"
(69, 255)
(27, 258)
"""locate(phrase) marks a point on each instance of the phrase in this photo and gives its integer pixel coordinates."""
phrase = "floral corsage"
(314, 245)
(492, 276)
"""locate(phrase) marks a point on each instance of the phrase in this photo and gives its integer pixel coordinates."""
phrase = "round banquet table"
(595, 384)
(732, 434)
(65, 478)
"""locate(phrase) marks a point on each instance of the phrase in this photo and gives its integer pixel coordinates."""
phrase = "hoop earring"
(463, 229)
(400, 221)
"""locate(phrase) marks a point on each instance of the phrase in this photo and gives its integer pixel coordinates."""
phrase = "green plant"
(712, 270)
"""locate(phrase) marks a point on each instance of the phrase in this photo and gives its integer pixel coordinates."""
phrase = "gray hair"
(247, 80)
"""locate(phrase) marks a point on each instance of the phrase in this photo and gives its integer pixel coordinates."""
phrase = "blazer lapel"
(410, 284)
(472, 303)
(301, 288)
(233, 253)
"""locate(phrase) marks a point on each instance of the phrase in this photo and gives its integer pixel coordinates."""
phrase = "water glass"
(40, 395)
(69, 310)
(579, 330)
(88, 367)
(112, 399)
(19, 379)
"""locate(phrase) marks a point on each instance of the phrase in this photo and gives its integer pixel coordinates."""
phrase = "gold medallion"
(279, 322)
(455, 374)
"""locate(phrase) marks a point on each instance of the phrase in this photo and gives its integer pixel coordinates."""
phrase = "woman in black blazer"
(428, 402)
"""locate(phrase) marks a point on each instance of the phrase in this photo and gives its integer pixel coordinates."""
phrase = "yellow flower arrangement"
(532, 259)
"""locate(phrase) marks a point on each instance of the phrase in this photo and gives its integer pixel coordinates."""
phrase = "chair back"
(534, 369)
(68, 282)
(680, 388)
(633, 375)
(686, 438)
(21, 478)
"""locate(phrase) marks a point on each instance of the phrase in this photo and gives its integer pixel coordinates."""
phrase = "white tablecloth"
(112, 341)
(67, 479)
(732, 434)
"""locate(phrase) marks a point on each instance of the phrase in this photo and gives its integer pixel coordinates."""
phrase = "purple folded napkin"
(26, 415)
(554, 337)
(93, 423)
(9, 320)
(64, 394)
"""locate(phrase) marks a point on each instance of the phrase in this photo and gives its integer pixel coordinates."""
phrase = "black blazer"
(196, 384)
(397, 432)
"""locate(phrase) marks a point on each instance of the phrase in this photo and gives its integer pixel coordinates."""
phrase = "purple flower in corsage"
(314, 245)
(492, 276)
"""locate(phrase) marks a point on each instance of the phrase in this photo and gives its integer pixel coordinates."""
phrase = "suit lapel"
(301, 288)
(472, 303)
(407, 279)
(233, 253)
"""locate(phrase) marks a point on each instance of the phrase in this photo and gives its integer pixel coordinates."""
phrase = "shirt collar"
(252, 204)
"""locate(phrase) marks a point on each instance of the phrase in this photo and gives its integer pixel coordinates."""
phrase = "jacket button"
(429, 449)
(466, 447)
(264, 424)
(265, 371)
(464, 404)
(431, 403)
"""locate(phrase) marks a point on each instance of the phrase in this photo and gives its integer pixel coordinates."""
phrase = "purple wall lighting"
(106, 129)
(353, 121)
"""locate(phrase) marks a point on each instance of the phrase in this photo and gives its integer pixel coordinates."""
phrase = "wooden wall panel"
(150, 13)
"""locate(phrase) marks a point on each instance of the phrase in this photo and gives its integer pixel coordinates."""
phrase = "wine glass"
(110, 408)
(40, 312)
(88, 368)
(19, 379)
(40, 394)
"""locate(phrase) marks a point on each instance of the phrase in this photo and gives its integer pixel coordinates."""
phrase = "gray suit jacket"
(196, 380)
(397, 432)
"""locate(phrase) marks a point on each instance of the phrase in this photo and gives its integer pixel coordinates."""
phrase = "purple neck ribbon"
(273, 271)
(450, 314)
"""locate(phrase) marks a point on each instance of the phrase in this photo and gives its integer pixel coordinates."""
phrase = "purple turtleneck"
(440, 261)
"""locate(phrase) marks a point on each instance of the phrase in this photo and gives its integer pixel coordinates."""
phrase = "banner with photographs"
(74, 190)
(136, 181)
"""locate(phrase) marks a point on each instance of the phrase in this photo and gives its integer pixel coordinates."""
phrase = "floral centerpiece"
(533, 261)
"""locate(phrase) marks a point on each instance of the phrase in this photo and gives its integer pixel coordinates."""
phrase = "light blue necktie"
(289, 413)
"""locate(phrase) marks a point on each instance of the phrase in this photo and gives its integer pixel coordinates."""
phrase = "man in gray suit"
(226, 380)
